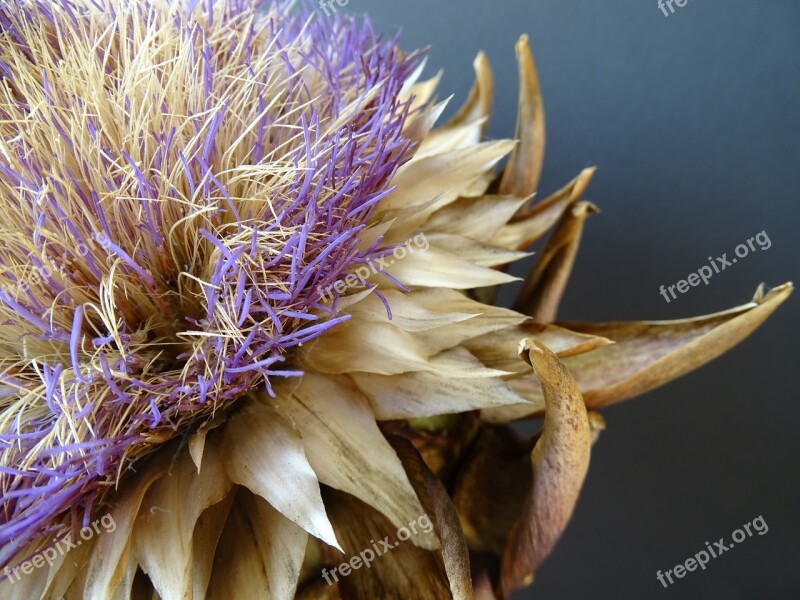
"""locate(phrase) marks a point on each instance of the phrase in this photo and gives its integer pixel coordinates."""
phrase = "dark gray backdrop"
(693, 120)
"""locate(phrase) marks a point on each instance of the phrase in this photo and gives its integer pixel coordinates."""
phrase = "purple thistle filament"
(177, 185)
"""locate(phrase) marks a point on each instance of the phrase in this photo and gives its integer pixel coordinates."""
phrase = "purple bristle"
(209, 240)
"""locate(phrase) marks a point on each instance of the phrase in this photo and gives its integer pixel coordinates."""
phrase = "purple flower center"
(176, 189)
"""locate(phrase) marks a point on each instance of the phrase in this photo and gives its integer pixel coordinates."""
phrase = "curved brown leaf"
(541, 294)
(559, 463)
(478, 105)
(521, 174)
(437, 504)
(649, 354)
(646, 354)
(442, 442)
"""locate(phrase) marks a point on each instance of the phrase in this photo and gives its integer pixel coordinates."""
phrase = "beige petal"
(480, 186)
(346, 302)
(545, 285)
(16, 584)
(531, 224)
(521, 174)
(408, 88)
(314, 560)
(39, 582)
(263, 452)
(420, 92)
(111, 563)
(478, 106)
(419, 124)
(436, 268)
(407, 222)
(437, 340)
(646, 354)
(459, 362)
(443, 139)
(406, 314)
(364, 346)
(206, 537)
(125, 588)
(491, 319)
(372, 234)
(471, 123)
(281, 545)
(443, 175)
(346, 448)
(162, 536)
(345, 114)
(196, 445)
(238, 570)
(70, 580)
(559, 462)
(413, 395)
(198, 441)
(449, 300)
(476, 218)
(375, 347)
(475, 252)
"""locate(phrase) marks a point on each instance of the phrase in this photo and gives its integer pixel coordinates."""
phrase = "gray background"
(693, 121)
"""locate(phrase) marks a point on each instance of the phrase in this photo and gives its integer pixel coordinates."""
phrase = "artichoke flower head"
(246, 287)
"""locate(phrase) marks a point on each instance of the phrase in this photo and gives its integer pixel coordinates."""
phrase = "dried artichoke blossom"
(246, 291)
